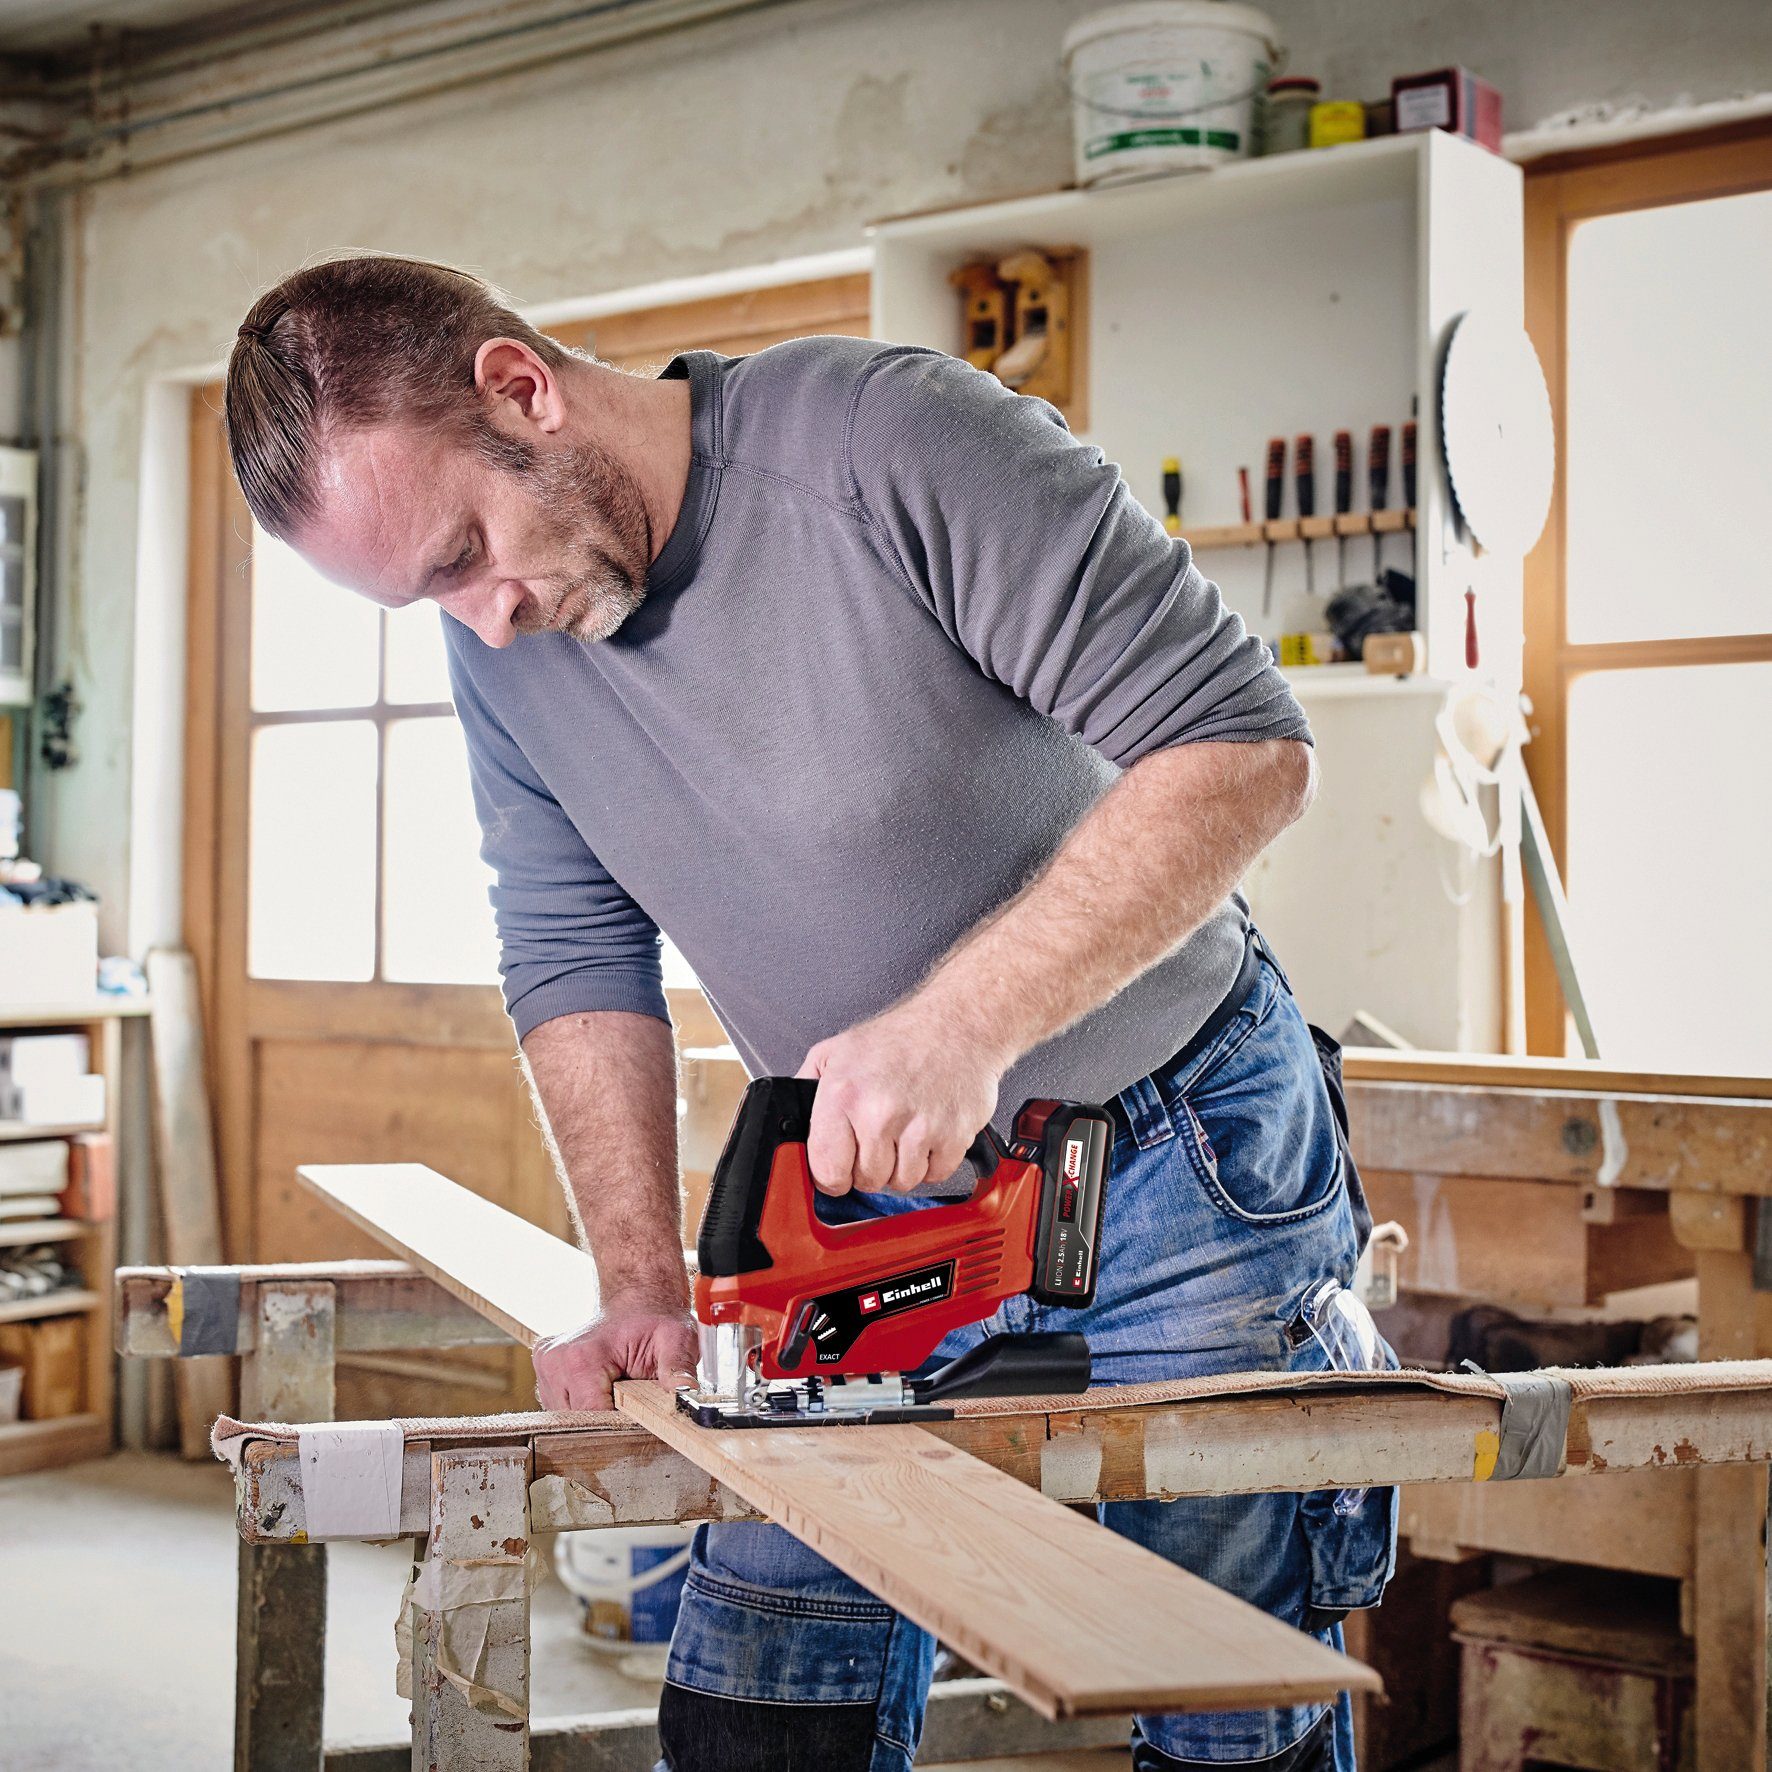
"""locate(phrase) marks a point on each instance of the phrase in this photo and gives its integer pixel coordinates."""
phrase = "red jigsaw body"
(879, 1296)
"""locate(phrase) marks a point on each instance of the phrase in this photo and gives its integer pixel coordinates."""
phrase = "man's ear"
(524, 393)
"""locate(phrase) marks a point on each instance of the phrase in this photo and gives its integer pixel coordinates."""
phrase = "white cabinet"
(1308, 293)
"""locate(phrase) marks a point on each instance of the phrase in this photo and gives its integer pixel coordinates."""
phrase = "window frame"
(1561, 193)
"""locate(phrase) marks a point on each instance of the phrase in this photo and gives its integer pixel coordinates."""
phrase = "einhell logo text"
(869, 1302)
(910, 1289)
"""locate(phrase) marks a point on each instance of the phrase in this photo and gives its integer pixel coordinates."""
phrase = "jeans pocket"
(1352, 1556)
(1259, 1129)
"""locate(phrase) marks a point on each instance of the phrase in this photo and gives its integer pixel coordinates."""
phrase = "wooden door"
(333, 893)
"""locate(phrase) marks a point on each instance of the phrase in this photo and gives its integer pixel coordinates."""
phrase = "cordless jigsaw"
(806, 1322)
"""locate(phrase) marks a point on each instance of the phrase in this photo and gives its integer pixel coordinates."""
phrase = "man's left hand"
(900, 1098)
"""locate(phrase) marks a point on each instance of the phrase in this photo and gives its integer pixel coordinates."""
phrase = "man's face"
(560, 546)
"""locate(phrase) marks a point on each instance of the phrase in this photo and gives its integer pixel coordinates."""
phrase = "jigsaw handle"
(773, 1111)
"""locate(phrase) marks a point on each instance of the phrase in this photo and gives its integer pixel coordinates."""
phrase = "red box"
(1453, 99)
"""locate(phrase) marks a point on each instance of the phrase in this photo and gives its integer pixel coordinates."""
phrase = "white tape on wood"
(350, 1478)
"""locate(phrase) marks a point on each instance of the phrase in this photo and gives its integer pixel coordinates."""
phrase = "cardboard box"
(12, 1390)
(50, 1351)
(44, 1080)
(48, 954)
(34, 1167)
(91, 1192)
(1453, 99)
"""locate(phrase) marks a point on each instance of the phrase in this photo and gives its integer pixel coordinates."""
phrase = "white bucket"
(1166, 86)
(628, 1579)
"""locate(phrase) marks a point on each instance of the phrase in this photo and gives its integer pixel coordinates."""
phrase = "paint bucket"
(628, 1579)
(1166, 86)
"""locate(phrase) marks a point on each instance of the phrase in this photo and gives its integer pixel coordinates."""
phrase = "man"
(859, 677)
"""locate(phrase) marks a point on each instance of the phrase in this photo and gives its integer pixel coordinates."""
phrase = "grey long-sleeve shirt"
(905, 632)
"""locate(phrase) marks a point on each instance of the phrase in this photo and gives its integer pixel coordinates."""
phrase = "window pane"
(1670, 421)
(311, 879)
(314, 645)
(417, 667)
(1670, 864)
(436, 918)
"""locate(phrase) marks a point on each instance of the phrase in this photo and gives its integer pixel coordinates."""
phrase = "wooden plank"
(527, 1281)
(382, 1307)
(962, 1720)
(1640, 1521)
(1710, 1145)
(1077, 1620)
(1526, 1243)
(1487, 1070)
(184, 1164)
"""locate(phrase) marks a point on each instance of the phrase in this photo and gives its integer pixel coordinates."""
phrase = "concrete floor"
(117, 1625)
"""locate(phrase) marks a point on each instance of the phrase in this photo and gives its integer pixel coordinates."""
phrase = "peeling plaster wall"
(757, 139)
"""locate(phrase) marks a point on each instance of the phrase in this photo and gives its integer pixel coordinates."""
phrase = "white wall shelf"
(1309, 293)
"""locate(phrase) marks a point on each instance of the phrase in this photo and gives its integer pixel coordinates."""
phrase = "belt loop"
(1147, 1115)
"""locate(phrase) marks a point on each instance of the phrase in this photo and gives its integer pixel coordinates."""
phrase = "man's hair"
(354, 343)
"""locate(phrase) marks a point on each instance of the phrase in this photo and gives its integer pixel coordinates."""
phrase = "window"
(363, 856)
(1650, 605)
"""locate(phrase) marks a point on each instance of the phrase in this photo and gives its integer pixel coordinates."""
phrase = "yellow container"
(1337, 120)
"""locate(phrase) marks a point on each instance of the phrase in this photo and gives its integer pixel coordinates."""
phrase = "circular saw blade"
(1495, 419)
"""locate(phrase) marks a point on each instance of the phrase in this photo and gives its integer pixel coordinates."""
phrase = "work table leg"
(470, 1616)
(1729, 1600)
(280, 1648)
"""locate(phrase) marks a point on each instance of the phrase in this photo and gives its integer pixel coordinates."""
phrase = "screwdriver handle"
(1172, 494)
(1409, 466)
(1274, 487)
(1304, 474)
(1344, 472)
(1378, 467)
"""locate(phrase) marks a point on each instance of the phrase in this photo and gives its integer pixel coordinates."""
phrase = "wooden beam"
(184, 1163)
(280, 1618)
(1077, 1620)
(1709, 1145)
(380, 1307)
(1117, 1444)
(1103, 1625)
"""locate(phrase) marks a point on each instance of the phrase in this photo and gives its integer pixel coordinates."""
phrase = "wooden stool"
(1575, 1667)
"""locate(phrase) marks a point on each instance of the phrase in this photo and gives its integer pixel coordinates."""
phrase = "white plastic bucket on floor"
(1166, 86)
(629, 1579)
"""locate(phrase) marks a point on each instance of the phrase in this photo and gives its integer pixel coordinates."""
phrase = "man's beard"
(603, 577)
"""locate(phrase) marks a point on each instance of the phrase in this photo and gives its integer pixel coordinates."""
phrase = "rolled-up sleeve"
(1027, 547)
(570, 939)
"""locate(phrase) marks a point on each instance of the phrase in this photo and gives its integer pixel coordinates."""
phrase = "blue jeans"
(1226, 1203)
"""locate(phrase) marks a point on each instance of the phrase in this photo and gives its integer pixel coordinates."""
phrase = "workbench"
(480, 1488)
(1547, 1185)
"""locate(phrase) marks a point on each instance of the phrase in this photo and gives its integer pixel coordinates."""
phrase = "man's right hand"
(578, 1369)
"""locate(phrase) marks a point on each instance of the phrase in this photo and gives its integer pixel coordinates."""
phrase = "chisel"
(1304, 481)
(1344, 500)
(1172, 495)
(1273, 492)
(1378, 483)
(1409, 471)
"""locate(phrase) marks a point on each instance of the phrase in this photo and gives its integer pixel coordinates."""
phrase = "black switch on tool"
(1378, 483)
(1273, 492)
(1344, 500)
(1304, 480)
